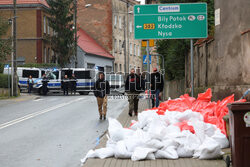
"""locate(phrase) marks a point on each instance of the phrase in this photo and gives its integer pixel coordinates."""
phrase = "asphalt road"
(51, 131)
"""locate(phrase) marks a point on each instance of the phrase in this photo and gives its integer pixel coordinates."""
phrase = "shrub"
(4, 81)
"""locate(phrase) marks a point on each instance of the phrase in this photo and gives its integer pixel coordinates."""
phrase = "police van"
(84, 85)
(23, 74)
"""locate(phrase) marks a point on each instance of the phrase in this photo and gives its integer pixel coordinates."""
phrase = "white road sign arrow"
(138, 10)
(138, 26)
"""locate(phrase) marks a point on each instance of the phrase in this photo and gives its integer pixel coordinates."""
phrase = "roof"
(89, 45)
(23, 2)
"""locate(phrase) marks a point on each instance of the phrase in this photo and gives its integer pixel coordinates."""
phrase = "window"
(48, 55)
(130, 49)
(45, 55)
(82, 74)
(139, 49)
(115, 21)
(108, 69)
(48, 26)
(33, 73)
(135, 49)
(120, 22)
(44, 24)
(90, 66)
(120, 67)
(53, 75)
(130, 26)
(116, 68)
(120, 46)
(115, 44)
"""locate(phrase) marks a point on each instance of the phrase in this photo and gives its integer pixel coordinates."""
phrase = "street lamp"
(75, 28)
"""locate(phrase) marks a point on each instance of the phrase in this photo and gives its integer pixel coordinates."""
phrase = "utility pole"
(75, 30)
(128, 35)
(14, 84)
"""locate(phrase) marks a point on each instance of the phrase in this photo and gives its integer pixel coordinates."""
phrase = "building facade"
(111, 25)
(32, 30)
(91, 55)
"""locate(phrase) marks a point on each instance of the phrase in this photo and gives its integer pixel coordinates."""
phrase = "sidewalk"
(125, 120)
(22, 97)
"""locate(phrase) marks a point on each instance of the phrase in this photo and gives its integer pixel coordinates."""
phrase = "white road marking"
(38, 99)
(13, 122)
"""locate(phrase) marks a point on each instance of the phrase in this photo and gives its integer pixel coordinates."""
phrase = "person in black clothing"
(73, 81)
(45, 84)
(101, 89)
(133, 89)
(157, 84)
(65, 83)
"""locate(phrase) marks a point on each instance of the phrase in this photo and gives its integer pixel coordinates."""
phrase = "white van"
(23, 74)
(84, 84)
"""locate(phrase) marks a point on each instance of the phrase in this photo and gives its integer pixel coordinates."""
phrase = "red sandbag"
(184, 126)
(206, 96)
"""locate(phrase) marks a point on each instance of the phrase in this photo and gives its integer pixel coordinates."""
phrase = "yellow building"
(32, 30)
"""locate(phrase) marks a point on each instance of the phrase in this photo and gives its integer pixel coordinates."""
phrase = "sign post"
(148, 69)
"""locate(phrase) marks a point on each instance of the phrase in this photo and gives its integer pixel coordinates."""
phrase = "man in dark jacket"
(65, 83)
(73, 81)
(45, 84)
(157, 84)
(133, 88)
(101, 89)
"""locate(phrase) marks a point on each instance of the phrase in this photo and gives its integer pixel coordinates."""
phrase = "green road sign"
(170, 21)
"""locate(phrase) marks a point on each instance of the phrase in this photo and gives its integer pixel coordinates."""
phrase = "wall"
(223, 63)
(96, 20)
(174, 89)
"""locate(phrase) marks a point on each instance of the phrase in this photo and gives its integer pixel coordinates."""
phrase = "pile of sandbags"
(183, 127)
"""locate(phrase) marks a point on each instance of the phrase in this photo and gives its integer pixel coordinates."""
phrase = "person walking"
(65, 83)
(101, 89)
(73, 81)
(30, 83)
(133, 89)
(157, 85)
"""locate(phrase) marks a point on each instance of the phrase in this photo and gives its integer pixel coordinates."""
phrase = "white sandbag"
(135, 125)
(210, 129)
(187, 115)
(199, 128)
(141, 153)
(221, 139)
(91, 154)
(168, 153)
(171, 131)
(110, 142)
(121, 150)
(170, 142)
(117, 132)
(132, 143)
(98, 153)
(184, 151)
(154, 143)
(156, 129)
(209, 149)
(150, 156)
(104, 152)
(146, 117)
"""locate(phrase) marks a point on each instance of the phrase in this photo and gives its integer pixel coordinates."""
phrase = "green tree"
(174, 51)
(5, 43)
(61, 21)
